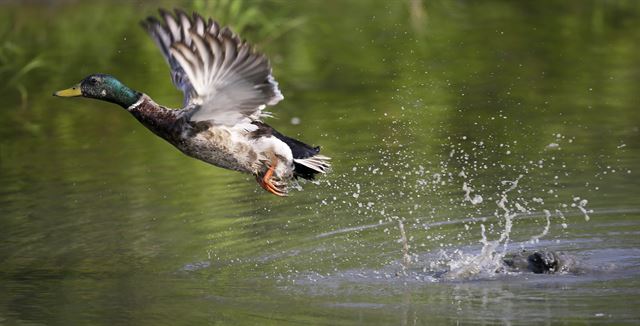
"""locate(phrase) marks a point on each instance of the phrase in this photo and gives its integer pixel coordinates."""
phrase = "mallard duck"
(226, 87)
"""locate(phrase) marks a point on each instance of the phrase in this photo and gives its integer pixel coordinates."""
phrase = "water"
(477, 129)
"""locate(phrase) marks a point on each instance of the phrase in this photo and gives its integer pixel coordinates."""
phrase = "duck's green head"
(102, 87)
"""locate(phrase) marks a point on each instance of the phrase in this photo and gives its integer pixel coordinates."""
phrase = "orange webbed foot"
(269, 183)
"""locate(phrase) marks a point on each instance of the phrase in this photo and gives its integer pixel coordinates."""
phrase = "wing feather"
(219, 74)
(203, 51)
(185, 25)
(171, 24)
(199, 24)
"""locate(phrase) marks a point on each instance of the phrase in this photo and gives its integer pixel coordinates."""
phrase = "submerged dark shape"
(538, 262)
(525, 261)
(226, 86)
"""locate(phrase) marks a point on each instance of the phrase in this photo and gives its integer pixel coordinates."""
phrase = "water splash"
(489, 259)
(545, 231)
(581, 204)
(449, 189)
(477, 199)
(468, 266)
(406, 258)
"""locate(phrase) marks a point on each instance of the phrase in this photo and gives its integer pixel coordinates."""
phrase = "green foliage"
(16, 64)
(246, 17)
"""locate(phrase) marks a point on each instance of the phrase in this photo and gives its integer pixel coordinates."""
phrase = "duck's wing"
(217, 72)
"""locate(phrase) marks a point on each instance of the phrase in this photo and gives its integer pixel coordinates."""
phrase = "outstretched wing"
(220, 74)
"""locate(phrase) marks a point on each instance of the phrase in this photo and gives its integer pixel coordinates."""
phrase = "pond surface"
(459, 131)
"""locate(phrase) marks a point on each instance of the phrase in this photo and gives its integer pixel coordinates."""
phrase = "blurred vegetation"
(15, 67)
(248, 17)
(514, 70)
(497, 71)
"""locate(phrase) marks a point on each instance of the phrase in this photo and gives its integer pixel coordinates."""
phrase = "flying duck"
(226, 86)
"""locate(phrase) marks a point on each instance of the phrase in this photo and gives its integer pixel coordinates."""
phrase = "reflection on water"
(481, 129)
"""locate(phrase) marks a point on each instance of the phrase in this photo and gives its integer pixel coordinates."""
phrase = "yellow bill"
(69, 92)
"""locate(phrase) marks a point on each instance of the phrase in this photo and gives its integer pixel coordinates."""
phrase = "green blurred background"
(101, 222)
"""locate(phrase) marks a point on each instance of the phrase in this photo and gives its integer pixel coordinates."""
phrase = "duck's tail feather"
(306, 160)
(308, 167)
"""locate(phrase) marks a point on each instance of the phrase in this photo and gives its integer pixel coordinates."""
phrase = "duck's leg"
(268, 182)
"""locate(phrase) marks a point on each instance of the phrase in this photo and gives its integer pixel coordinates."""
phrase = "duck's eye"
(93, 80)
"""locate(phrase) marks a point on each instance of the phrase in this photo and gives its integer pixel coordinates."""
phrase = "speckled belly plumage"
(217, 146)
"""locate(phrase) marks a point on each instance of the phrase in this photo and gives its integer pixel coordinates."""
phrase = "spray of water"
(431, 194)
